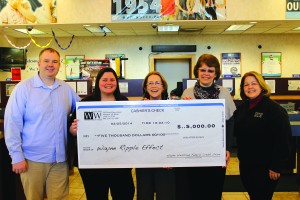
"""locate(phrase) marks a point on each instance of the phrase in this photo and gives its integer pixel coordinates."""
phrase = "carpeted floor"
(287, 183)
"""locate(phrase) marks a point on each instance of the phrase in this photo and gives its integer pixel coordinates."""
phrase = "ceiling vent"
(191, 30)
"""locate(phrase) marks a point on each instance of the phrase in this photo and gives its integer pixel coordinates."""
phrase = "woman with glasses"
(98, 182)
(155, 180)
(263, 134)
(206, 182)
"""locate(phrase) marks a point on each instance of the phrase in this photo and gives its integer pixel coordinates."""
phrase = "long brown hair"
(97, 92)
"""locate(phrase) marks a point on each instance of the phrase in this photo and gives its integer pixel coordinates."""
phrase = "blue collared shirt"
(35, 120)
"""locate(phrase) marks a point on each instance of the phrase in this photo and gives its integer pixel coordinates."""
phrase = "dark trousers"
(256, 180)
(97, 183)
(194, 183)
(10, 184)
(155, 180)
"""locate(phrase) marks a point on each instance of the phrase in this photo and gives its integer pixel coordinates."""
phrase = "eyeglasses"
(151, 83)
(206, 70)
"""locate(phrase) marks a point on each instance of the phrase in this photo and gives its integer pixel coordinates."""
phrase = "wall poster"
(90, 68)
(150, 10)
(231, 65)
(271, 64)
(28, 12)
(73, 66)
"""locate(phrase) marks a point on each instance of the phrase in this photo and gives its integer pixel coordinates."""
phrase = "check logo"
(93, 115)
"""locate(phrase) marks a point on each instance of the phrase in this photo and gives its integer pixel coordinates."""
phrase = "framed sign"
(271, 64)
(292, 9)
(231, 65)
(9, 88)
(15, 73)
(90, 68)
(73, 66)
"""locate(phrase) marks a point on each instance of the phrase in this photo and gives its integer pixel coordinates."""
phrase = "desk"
(295, 126)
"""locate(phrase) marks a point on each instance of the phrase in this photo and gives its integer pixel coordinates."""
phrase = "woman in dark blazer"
(263, 134)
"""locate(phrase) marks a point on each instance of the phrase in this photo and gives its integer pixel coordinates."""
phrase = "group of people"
(193, 9)
(200, 9)
(21, 12)
(37, 130)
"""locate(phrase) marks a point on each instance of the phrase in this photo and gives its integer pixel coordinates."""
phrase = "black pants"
(10, 184)
(155, 180)
(194, 183)
(97, 182)
(256, 180)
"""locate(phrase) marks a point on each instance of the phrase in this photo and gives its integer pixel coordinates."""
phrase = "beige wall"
(138, 64)
(83, 11)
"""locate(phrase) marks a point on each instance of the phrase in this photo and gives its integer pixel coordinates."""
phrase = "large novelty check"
(125, 134)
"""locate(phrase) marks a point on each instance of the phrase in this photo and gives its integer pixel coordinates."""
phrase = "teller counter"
(295, 126)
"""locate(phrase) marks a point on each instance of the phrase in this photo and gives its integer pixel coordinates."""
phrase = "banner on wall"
(28, 12)
(292, 9)
(152, 10)
(231, 64)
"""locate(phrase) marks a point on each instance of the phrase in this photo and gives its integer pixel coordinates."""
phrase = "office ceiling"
(145, 28)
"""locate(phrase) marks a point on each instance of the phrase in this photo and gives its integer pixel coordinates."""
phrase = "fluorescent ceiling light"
(32, 32)
(168, 28)
(239, 27)
(96, 29)
(296, 29)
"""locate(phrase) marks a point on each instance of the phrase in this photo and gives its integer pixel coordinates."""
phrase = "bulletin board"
(271, 64)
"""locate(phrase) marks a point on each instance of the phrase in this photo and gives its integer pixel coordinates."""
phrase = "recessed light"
(296, 29)
(168, 28)
(96, 29)
(32, 32)
(242, 27)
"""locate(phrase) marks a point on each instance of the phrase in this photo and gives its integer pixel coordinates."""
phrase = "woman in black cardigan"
(97, 182)
(263, 134)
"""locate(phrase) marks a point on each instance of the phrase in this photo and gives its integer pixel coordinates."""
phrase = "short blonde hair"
(266, 91)
(51, 50)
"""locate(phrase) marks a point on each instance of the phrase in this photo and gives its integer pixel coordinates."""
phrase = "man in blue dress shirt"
(35, 127)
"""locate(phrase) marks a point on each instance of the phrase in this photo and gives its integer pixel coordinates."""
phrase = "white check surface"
(125, 134)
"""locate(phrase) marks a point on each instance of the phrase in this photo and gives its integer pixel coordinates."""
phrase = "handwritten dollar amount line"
(193, 126)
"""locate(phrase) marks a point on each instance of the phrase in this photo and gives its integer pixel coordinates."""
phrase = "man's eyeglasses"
(151, 83)
(206, 70)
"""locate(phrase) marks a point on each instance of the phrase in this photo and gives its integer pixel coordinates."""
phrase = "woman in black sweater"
(263, 134)
(97, 182)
